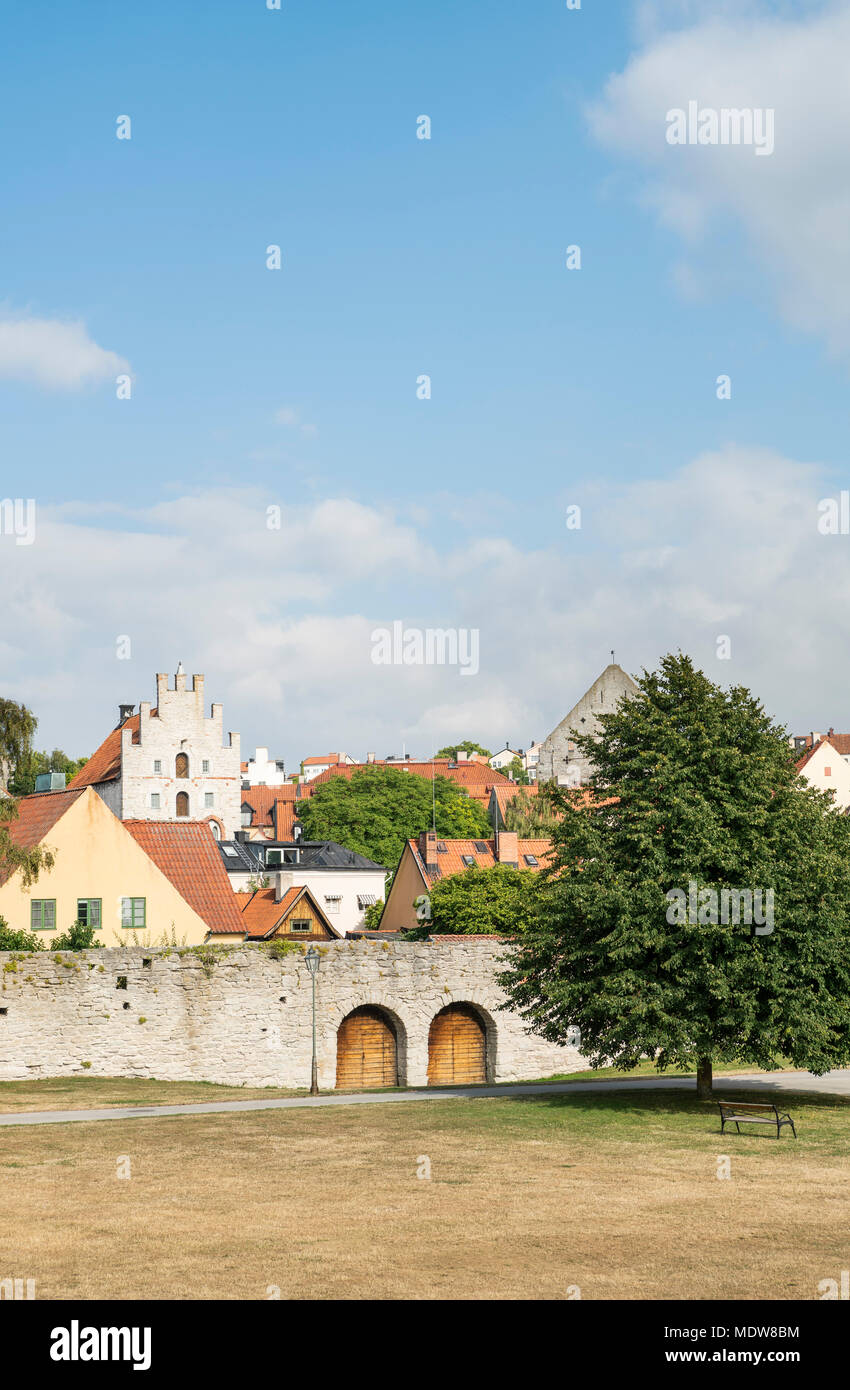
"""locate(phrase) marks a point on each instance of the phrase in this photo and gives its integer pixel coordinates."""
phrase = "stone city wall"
(243, 1017)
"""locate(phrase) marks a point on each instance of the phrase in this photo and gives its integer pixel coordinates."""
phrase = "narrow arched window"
(182, 804)
(181, 765)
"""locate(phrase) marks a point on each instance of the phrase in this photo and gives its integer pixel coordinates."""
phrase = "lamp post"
(312, 959)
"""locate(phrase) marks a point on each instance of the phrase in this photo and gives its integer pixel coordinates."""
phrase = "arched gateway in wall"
(457, 1047)
(366, 1050)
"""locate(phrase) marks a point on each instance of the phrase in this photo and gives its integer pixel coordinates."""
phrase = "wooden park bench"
(737, 1112)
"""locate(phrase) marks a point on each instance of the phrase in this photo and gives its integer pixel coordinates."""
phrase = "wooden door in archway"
(366, 1051)
(457, 1047)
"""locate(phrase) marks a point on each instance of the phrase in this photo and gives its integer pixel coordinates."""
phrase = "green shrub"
(78, 937)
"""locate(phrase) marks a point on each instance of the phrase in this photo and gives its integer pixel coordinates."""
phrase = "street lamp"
(312, 959)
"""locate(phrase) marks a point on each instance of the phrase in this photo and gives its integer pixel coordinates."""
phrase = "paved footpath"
(833, 1083)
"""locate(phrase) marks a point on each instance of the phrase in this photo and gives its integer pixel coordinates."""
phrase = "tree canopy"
(478, 902)
(642, 938)
(452, 750)
(17, 727)
(378, 808)
(531, 816)
(32, 764)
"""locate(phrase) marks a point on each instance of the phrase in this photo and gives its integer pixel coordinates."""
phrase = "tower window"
(182, 804)
(181, 765)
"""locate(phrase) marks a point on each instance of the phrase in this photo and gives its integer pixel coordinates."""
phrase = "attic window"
(230, 852)
(480, 847)
(441, 847)
(531, 860)
(468, 859)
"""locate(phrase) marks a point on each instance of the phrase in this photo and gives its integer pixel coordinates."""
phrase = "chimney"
(428, 847)
(282, 884)
(507, 848)
(462, 757)
(124, 713)
(370, 757)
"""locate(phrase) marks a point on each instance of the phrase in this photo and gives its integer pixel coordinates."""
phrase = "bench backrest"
(738, 1106)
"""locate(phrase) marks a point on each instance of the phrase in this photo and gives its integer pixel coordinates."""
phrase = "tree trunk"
(704, 1078)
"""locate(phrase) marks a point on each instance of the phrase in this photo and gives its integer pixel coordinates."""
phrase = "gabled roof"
(187, 853)
(104, 765)
(450, 861)
(37, 815)
(261, 915)
(830, 740)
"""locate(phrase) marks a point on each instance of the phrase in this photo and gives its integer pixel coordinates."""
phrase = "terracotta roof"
(261, 914)
(104, 765)
(285, 817)
(187, 853)
(477, 778)
(263, 800)
(451, 860)
(328, 758)
(37, 815)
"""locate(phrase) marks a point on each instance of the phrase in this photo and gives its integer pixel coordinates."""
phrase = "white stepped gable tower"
(170, 762)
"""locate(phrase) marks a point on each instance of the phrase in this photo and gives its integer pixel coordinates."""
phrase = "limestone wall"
(246, 1018)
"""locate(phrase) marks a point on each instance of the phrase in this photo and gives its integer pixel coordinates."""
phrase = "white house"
(505, 758)
(342, 882)
(263, 771)
(313, 767)
(826, 768)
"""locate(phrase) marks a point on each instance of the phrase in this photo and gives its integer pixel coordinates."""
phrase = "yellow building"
(131, 880)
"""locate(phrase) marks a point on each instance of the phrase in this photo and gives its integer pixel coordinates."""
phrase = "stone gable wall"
(246, 1018)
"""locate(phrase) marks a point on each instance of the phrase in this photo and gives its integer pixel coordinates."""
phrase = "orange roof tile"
(37, 815)
(187, 853)
(451, 860)
(477, 778)
(104, 765)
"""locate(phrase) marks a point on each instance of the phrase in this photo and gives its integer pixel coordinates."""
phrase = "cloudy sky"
(161, 389)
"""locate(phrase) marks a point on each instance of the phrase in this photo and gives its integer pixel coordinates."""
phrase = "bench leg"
(738, 1127)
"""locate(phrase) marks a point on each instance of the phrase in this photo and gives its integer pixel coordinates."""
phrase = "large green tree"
(17, 727)
(531, 816)
(479, 902)
(636, 941)
(378, 808)
(452, 749)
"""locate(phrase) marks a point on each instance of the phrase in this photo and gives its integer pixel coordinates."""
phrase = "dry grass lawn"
(617, 1194)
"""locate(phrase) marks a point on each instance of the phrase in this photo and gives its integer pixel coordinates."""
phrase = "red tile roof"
(263, 800)
(451, 861)
(261, 914)
(478, 779)
(187, 853)
(37, 816)
(104, 765)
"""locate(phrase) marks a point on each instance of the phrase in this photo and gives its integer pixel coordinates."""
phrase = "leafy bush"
(78, 937)
(11, 940)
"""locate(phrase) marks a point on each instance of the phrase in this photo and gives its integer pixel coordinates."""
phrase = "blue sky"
(400, 257)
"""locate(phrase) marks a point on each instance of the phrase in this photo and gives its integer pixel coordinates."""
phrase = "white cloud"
(281, 621)
(793, 207)
(54, 354)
